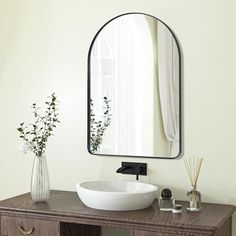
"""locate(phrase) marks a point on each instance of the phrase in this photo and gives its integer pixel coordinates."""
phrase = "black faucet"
(133, 168)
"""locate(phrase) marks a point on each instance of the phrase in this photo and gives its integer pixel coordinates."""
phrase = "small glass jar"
(194, 199)
(166, 200)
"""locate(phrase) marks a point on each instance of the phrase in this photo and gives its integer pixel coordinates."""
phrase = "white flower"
(25, 147)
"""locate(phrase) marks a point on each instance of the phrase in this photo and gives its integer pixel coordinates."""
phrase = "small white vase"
(40, 185)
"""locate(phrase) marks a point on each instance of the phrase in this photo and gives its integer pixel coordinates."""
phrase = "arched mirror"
(134, 97)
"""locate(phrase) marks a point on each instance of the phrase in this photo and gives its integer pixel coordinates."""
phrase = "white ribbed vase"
(40, 186)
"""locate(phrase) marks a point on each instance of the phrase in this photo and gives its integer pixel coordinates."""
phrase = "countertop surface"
(67, 204)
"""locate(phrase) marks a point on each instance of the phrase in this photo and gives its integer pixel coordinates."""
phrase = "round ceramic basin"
(116, 195)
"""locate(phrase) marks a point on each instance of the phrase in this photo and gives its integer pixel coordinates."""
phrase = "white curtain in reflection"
(122, 70)
(168, 70)
(113, 76)
(103, 72)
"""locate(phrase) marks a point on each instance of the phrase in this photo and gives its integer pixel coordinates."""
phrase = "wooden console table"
(66, 215)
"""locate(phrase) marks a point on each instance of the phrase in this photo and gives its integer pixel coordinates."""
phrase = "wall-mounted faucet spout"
(122, 169)
(133, 168)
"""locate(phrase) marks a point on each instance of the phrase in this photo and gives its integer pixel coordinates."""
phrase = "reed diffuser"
(193, 166)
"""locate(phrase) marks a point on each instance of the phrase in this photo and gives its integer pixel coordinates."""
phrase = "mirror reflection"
(134, 89)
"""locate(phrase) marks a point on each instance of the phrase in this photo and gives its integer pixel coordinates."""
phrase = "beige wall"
(43, 49)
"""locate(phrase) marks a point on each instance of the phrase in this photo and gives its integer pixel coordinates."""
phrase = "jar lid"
(166, 194)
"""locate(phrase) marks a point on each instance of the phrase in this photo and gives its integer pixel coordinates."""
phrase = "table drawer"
(16, 226)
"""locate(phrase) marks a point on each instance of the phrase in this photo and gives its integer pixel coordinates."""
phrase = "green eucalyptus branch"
(36, 134)
(98, 128)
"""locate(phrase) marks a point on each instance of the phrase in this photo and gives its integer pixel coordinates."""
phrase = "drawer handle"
(23, 231)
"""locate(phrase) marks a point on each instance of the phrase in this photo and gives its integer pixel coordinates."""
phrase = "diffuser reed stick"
(193, 167)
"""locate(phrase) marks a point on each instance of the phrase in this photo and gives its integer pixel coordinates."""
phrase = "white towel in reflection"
(168, 71)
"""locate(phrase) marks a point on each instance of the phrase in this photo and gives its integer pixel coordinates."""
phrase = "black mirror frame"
(180, 93)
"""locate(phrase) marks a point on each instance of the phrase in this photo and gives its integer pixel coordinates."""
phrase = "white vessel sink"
(116, 196)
